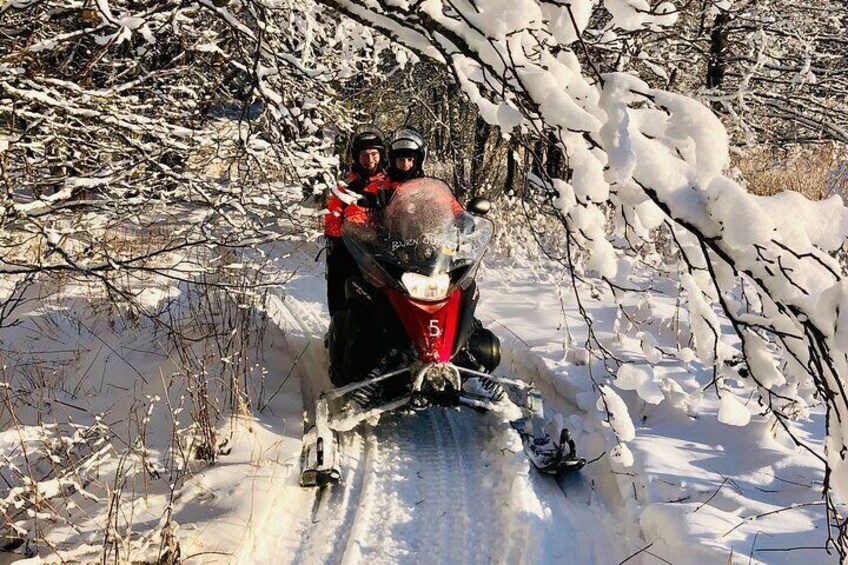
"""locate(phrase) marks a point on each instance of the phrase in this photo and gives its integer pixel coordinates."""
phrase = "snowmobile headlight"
(426, 288)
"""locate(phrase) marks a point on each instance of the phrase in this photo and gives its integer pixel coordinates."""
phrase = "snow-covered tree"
(773, 69)
(147, 149)
(140, 136)
(134, 133)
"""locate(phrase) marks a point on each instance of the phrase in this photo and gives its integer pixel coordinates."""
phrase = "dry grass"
(816, 171)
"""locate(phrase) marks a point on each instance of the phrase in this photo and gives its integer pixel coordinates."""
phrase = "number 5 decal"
(435, 330)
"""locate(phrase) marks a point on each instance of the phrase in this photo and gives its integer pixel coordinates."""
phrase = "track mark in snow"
(364, 517)
(334, 510)
(417, 494)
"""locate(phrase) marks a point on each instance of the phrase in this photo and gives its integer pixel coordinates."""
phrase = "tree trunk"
(718, 48)
(438, 129)
(538, 158)
(556, 160)
(481, 135)
(509, 182)
(456, 151)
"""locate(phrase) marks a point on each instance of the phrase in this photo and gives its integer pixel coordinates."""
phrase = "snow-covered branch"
(138, 134)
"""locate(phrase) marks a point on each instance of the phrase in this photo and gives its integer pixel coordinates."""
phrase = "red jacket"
(346, 193)
(338, 210)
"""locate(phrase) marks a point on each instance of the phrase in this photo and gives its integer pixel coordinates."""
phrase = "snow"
(639, 378)
(547, 87)
(688, 530)
(683, 446)
(682, 450)
(744, 223)
(628, 14)
(560, 22)
(654, 430)
(703, 320)
(622, 456)
(496, 18)
(619, 416)
(830, 309)
(761, 361)
(823, 223)
(699, 131)
(466, 70)
(732, 412)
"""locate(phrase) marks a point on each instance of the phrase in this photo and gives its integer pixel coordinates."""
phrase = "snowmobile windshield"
(422, 230)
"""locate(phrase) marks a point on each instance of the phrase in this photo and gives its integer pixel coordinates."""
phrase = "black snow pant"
(340, 266)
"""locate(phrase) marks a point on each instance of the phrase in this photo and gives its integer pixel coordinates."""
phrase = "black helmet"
(366, 136)
(407, 142)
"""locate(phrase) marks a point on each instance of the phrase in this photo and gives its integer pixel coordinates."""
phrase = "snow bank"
(690, 470)
(641, 379)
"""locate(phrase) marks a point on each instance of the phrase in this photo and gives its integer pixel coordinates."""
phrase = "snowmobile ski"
(521, 405)
(319, 457)
(550, 457)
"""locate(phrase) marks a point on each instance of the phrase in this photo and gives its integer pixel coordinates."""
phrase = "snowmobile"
(409, 339)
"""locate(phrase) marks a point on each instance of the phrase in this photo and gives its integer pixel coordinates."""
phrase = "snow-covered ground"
(688, 487)
(688, 478)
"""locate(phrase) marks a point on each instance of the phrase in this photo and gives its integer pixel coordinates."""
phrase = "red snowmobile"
(409, 338)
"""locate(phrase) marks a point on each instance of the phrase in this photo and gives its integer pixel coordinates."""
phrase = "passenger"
(407, 153)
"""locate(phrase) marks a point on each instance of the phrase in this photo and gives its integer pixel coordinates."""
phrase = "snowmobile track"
(414, 492)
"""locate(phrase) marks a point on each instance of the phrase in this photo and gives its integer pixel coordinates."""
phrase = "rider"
(407, 153)
(367, 173)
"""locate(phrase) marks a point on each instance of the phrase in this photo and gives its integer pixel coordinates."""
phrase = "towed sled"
(409, 339)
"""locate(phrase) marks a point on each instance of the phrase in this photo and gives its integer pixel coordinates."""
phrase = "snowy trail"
(440, 486)
(436, 486)
(417, 491)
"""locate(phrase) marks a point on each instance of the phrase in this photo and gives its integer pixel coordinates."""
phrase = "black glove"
(330, 243)
(368, 200)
